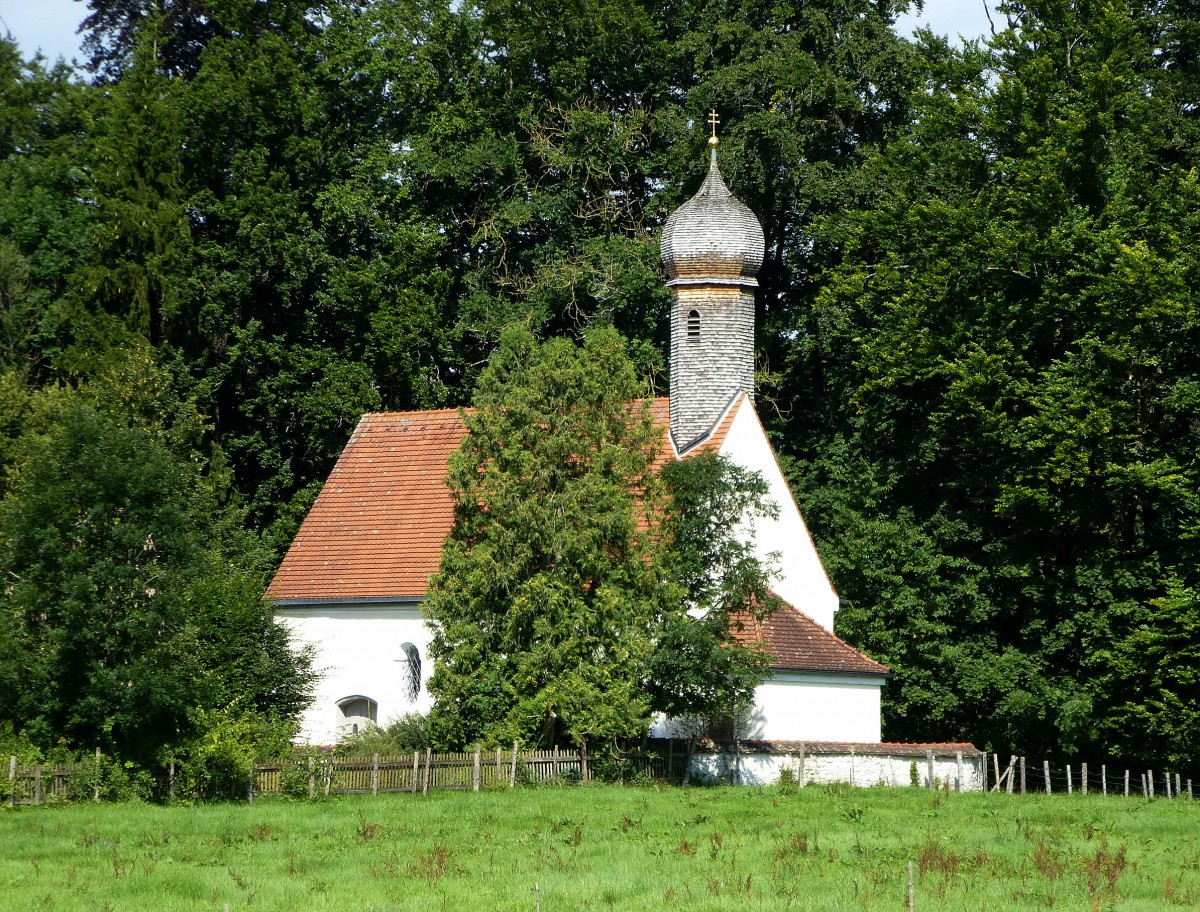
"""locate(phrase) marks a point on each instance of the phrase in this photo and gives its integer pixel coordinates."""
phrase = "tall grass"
(609, 847)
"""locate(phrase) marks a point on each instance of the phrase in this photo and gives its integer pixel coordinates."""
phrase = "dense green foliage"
(977, 329)
(544, 605)
(560, 610)
(611, 847)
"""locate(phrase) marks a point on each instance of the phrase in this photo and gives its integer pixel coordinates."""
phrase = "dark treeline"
(977, 330)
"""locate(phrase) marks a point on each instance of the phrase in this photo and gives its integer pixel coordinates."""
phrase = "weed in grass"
(670, 897)
(627, 823)
(1049, 863)
(936, 858)
(716, 842)
(686, 847)
(90, 837)
(264, 832)
(121, 868)
(151, 841)
(576, 837)
(432, 865)
(1102, 870)
(367, 831)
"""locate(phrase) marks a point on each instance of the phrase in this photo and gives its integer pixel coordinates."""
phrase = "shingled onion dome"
(713, 238)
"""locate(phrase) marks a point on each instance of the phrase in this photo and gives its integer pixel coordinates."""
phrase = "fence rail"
(315, 774)
(1019, 777)
(312, 774)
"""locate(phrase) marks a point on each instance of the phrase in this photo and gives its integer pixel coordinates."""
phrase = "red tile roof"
(798, 643)
(377, 527)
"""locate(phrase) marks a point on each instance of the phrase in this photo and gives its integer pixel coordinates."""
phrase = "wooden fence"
(41, 783)
(331, 774)
(1019, 777)
(311, 774)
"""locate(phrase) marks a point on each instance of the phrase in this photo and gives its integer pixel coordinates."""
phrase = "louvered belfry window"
(693, 326)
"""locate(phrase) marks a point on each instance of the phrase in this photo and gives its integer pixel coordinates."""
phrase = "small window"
(410, 672)
(693, 326)
(358, 713)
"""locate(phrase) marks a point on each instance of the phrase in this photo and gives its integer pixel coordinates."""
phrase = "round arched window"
(410, 671)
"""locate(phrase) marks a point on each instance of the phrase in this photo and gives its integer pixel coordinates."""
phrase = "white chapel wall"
(806, 707)
(358, 653)
(802, 580)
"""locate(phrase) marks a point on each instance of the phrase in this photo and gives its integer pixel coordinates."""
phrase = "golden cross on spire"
(713, 120)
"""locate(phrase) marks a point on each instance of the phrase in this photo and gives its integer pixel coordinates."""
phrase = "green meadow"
(608, 847)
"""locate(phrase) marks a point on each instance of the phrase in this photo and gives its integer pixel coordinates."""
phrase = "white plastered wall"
(807, 707)
(861, 768)
(357, 653)
(801, 580)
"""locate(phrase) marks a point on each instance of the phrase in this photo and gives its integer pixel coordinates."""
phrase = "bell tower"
(712, 248)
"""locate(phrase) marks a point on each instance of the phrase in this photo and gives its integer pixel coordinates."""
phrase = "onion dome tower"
(712, 248)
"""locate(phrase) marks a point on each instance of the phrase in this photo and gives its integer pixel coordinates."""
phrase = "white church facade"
(352, 584)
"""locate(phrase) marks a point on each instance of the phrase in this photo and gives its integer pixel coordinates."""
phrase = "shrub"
(402, 736)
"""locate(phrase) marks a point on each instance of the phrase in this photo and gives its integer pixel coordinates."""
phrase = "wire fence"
(1022, 777)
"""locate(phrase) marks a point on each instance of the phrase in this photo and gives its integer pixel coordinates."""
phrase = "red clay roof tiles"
(796, 642)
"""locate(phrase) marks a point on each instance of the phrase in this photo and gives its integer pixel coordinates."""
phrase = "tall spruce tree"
(580, 590)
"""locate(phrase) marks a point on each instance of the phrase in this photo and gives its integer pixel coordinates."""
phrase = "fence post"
(1022, 775)
(250, 785)
(1150, 782)
(1189, 788)
(12, 781)
(1167, 783)
(512, 772)
(1083, 778)
(1070, 787)
(416, 769)
(802, 764)
(1012, 762)
(1177, 792)
(1103, 779)
(312, 779)
(37, 784)
(96, 789)
(929, 761)
(996, 770)
(958, 770)
(428, 764)
(374, 774)
(1126, 783)
(171, 780)
(478, 770)
(1046, 773)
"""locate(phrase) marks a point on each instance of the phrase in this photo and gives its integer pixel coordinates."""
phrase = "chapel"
(352, 584)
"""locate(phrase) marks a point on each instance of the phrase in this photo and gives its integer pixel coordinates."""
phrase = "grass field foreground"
(608, 847)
